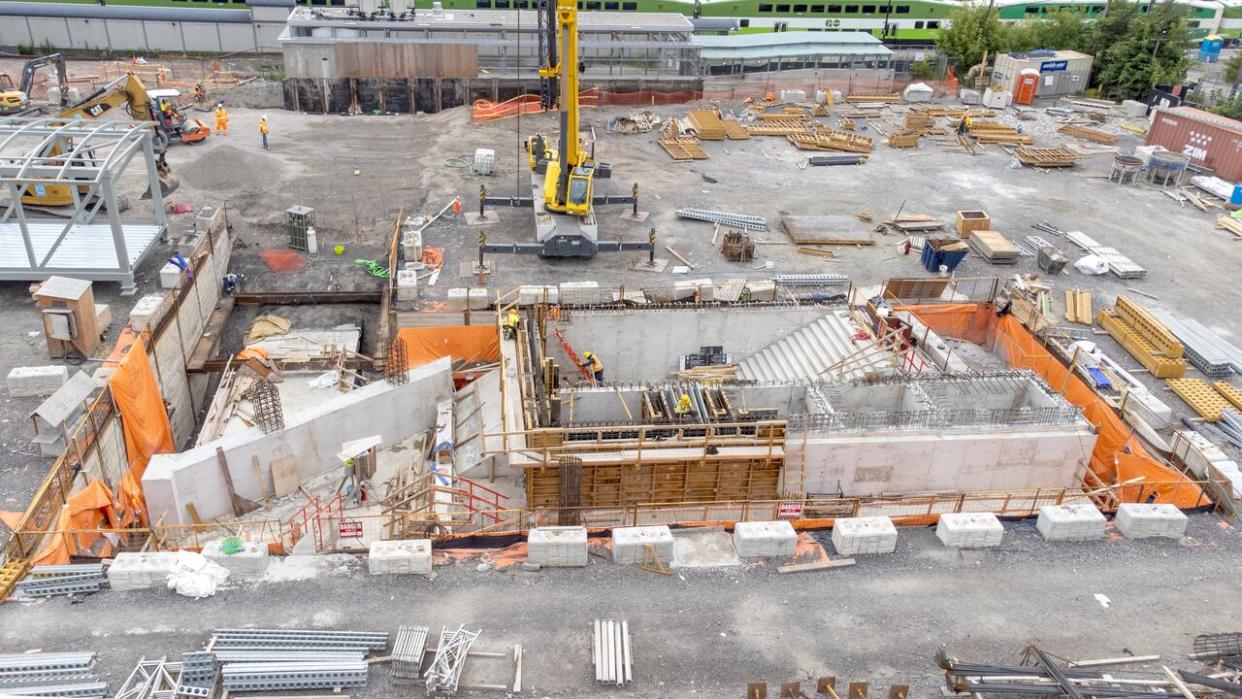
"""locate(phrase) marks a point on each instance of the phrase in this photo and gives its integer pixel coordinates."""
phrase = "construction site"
(757, 388)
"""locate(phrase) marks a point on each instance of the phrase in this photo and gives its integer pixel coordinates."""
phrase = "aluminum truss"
(449, 661)
(87, 158)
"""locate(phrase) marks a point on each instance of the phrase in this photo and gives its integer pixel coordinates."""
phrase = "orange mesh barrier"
(486, 110)
(89, 508)
(1118, 456)
(464, 343)
(145, 423)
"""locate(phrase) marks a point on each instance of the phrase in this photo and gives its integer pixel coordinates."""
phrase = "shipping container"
(1210, 141)
(1060, 72)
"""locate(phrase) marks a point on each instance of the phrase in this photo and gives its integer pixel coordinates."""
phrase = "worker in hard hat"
(222, 120)
(512, 321)
(964, 125)
(200, 94)
(597, 367)
(263, 131)
(682, 409)
(166, 113)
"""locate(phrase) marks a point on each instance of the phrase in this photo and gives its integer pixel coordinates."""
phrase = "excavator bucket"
(168, 184)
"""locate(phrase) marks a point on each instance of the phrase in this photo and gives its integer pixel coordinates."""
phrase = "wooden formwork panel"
(1160, 366)
(1199, 395)
(704, 480)
(683, 148)
(1229, 392)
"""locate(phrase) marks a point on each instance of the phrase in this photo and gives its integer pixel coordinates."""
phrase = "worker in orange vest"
(222, 120)
(263, 131)
(597, 367)
(457, 206)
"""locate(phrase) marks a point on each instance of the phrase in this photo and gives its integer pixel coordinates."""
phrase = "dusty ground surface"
(706, 632)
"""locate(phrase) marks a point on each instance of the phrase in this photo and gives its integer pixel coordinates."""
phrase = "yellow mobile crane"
(562, 179)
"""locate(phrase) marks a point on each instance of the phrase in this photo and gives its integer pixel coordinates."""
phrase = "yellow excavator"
(126, 97)
(15, 99)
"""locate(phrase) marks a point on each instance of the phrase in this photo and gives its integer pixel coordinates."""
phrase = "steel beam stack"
(48, 581)
(261, 677)
(297, 640)
(253, 660)
(51, 675)
(611, 653)
(198, 674)
(811, 279)
(1204, 348)
(449, 661)
(407, 652)
(724, 218)
(1041, 675)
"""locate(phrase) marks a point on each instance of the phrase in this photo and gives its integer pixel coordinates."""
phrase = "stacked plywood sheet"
(993, 247)
(707, 124)
(1047, 157)
(1088, 134)
(826, 230)
(1144, 337)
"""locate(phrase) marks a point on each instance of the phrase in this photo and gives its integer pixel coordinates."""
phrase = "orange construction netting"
(145, 422)
(89, 508)
(486, 110)
(1118, 457)
(464, 343)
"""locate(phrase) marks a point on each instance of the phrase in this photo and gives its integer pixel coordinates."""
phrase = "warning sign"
(349, 529)
(789, 510)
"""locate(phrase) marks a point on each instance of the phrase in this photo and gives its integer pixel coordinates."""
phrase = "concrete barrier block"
(970, 530)
(249, 563)
(530, 294)
(764, 539)
(404, 557)
(557, 547)
(141, 571)
(407, 285)
(146, 312)
(629, 543)
(1076, 522)
(1141, 521)
(170, 276)
(36, 380)
(479, 299)
(860, 535)
(583, 293)
(762, 290)
(457, 299)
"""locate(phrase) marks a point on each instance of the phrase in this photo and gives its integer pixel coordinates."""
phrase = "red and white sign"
(349, 529)
(789, 510)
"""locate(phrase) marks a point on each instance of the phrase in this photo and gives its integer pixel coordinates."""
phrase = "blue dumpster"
(934, 256)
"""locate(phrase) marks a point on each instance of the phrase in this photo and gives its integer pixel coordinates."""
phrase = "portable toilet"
(1025, 87)
(1209, 48)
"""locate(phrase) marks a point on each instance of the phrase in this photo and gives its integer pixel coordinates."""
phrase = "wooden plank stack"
(887, 99)
(1047, 157)
(783, 127)
(996, 132)
(1230, 224)
(993, 247)
(1087, 134)
(1078, 307)
(1145, 338)
(934, 111)
(707, 124)
(734, 131)
(903, 139)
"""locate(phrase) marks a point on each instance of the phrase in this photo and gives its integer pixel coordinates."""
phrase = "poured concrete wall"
(311, 439)
(893, 462)
(645, 346)
(604, 404)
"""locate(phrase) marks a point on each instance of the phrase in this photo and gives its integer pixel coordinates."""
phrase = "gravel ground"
(706, 632)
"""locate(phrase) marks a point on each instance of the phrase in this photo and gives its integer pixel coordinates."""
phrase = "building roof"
(162, 14)
(1201, 116)
(493, 19)
(1047, 55)
(773, 44)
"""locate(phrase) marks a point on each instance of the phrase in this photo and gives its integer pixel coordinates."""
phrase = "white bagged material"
(195, 576)
(1092, 265)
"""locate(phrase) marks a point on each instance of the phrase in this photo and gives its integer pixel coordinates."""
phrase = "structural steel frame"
(94, 155)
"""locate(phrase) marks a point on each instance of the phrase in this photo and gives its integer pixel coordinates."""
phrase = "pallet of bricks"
(1145, 338)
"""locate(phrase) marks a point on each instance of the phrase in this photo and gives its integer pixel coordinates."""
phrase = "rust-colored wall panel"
(1209, 140)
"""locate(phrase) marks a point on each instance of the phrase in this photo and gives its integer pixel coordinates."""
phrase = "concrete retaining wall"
(311, 439)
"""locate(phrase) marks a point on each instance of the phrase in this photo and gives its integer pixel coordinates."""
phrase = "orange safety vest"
(262, 126)
(596, 364)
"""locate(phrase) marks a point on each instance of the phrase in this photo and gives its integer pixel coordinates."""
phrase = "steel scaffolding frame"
(93, 156)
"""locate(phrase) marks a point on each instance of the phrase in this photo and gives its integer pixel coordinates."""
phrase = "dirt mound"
(228, 168)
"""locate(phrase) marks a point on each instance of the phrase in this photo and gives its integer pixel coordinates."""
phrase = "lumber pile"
(782, 128)
(819, 141)
(935, 111)
(1047, 157)
(680, 147)
(1230, 224)
(711, 372)
(1078, 307)
(1087, 134)
(707, 124)
(1145, 338)
(734, 131)
(826, 230)
(903, 139)
(993, 247)
(914, 121)
(887, 99)
(996, 132)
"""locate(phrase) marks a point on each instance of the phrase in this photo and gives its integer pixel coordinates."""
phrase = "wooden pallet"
(1047, 157)
(10, 573)
(1078, 307)
(1087, 134)
(1229, 392)
(734, 131)
(682, 148)
(1201, 397)
(776, 128)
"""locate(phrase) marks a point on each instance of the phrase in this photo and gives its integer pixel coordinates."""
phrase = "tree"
(972, 32)
(1152, 52)
(1233, 68)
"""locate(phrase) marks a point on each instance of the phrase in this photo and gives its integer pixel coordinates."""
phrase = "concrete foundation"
(249, 563)
(557, 547)
(405, 557)
(764, 539)
(863, 535)
(629, 544)
(36, 380)
(1141, 521)
(1077, 522)
(970, 530)
(308, 444)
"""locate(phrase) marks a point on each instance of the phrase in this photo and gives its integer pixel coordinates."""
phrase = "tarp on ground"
(145, 422)
(463, 343)
(1118, 457)
(89, 508)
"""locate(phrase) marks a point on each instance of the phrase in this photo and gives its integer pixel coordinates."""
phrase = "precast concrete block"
(141, 571)
(36, 380)
(860, 535)
(407, 285)
(404, 557)
(1140, 521)
(970, 530)
(457, 299)
(170, 276)
(557, 547)
(776, 539)
(412, 245)
(530, 294)
(579, 293)
(249, 563)
(479, 299)
(146, 312)
(686, 289)
(629, 543)
(762, 290)
(1076, 522)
